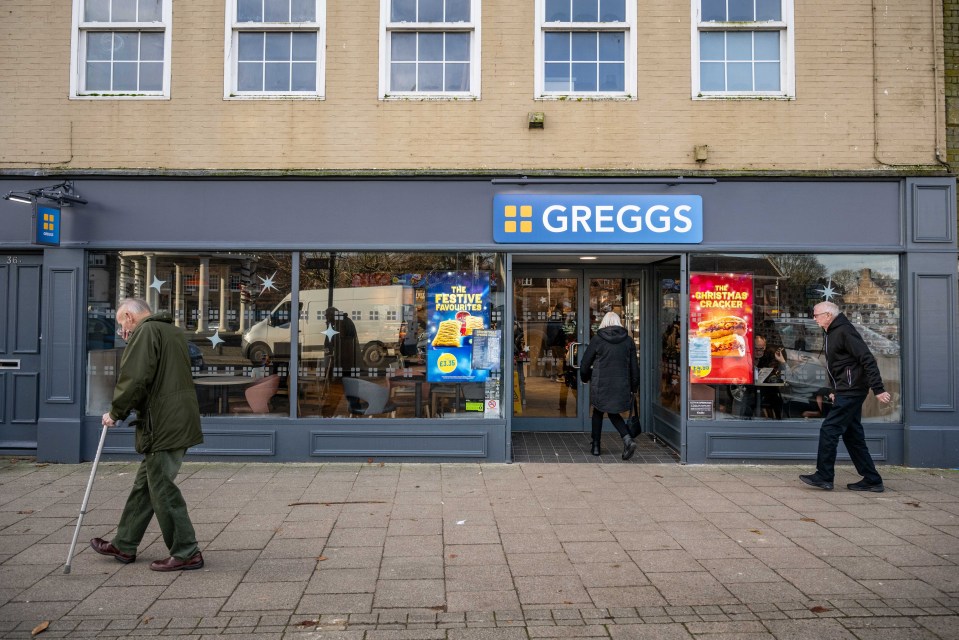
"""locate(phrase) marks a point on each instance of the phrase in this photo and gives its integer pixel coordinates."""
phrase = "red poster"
(721, 328)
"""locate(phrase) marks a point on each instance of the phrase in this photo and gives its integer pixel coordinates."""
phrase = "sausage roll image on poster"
(448, 334)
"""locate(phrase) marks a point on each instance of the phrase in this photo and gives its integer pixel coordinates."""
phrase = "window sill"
(120, 96)
(579, 97)
(274, 96)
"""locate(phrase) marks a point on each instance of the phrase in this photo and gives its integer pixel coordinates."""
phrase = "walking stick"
(86, 497)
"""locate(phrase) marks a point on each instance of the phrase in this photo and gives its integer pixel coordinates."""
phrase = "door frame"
(580, 423)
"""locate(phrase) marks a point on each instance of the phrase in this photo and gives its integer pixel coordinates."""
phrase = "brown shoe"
(175, 564)
(105, 548)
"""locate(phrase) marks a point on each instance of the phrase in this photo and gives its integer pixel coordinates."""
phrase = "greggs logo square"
(585, 219)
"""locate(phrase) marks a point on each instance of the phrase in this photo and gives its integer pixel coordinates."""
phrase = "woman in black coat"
(609, 365)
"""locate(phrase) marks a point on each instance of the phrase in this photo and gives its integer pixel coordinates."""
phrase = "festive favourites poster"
(457, 304)
(721, 328)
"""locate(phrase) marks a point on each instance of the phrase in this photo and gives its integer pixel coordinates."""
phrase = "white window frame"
(787, 59)
(539, 47)
(78, 45)
(231, 48)
(472, 27)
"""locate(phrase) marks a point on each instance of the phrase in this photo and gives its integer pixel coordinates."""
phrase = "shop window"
(395, 353)
(367, 346)
(275, 48)
(121, 49)
(756, 353)
(743, 48)
(430, 49)
(585, 49)
(214, 319)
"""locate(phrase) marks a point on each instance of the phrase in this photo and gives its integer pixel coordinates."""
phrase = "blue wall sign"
(46, 226)
(587, 219)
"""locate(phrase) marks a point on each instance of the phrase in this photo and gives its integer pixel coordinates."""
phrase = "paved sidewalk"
(491, 552)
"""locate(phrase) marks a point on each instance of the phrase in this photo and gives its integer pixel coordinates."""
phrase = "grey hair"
(136, 306)
(611, 319)
(829, 307)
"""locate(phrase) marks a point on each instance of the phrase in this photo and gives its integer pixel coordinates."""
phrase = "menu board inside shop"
(721, 317)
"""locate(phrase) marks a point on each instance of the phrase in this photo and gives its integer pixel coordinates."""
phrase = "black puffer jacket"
(852, 367)
(609, 365)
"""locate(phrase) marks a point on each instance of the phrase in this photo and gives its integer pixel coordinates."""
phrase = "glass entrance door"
(556, 313)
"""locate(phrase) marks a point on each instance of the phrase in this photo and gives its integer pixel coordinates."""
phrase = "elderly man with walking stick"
(155, 381)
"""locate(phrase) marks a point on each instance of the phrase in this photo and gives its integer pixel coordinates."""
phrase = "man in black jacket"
(852, 373)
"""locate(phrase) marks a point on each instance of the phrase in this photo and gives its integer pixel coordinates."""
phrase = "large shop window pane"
(369, 346)
(218, 300)
(776, 369)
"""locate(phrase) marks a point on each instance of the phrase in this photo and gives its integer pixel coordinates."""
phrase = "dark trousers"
(155, 492)
(615, 418)
(845, 421)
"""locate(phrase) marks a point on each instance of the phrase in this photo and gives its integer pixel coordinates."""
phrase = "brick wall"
(829, 127)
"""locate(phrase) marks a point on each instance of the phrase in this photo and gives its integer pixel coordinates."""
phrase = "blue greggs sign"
(586, 219)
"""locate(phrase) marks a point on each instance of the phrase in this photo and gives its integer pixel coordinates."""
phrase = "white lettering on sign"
(629, 218)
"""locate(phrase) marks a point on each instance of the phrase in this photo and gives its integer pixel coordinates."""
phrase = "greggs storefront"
(434, 318)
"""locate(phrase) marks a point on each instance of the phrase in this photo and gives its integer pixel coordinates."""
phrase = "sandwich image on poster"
(725, 335)
(457, 304)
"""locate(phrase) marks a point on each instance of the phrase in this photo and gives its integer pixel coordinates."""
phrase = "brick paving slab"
(497, 552)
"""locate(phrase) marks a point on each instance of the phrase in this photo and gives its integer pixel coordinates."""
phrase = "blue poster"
(457, 304)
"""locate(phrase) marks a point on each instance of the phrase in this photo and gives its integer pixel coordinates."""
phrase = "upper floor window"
(274, 48)
(742, 48)
(430, 49)
(585, 48)
(121, 49)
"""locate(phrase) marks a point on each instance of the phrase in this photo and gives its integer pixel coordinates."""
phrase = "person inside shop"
(609, 366)
(340, 346)
(520, 358)
(555, 340)
(769, 369)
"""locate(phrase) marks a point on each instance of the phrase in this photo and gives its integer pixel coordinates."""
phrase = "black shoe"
(862, 485)
(596, 450)
(105, 548)
(629, 447)
(815, 481)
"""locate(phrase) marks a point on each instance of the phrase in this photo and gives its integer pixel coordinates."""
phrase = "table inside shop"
(759, 386)
(221, 386)
(416, 381)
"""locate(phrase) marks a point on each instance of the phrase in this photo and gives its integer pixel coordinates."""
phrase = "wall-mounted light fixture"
(536, 119)
(701, 152)
(63, 194)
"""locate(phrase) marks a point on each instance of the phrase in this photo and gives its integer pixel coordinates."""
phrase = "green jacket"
(156, 382)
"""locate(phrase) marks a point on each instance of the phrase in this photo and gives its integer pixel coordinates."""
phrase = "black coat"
(852, 367)
(609, 365)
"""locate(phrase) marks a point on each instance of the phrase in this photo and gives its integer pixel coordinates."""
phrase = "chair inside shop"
(365, 398)
(259, 394)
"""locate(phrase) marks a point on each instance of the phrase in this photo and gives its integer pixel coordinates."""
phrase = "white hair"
(611, 319)
(136, 306)
(828, 307)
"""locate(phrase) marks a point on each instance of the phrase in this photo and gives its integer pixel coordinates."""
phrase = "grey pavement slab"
(473, 551)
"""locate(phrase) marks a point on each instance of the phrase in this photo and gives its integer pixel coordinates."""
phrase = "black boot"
(629, 447)
(596, 451)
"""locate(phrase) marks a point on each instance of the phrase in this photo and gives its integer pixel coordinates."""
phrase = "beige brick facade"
(869, 97)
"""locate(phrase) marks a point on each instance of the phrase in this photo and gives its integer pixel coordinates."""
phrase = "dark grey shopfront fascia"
(912, 219)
